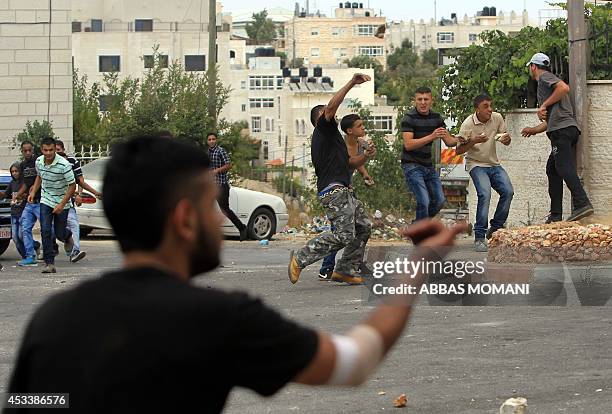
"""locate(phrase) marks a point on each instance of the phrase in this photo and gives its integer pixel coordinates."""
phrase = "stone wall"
(35, 70)
(525, 161)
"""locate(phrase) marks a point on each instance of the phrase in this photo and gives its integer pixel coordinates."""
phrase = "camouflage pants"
(351, 229)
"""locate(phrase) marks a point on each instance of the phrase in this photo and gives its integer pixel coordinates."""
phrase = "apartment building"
(119, 36)
(35, 72)
(454, 32)
(322, 41)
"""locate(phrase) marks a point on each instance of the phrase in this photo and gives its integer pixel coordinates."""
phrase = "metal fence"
(599, 43)
(93, 152)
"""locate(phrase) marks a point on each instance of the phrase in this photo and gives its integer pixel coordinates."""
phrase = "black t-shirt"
(142, 341)
(329, 154)
(421, 126)
(28, 175)
(13, 189)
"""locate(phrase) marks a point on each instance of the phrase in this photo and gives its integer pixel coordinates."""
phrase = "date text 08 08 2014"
(37, 400)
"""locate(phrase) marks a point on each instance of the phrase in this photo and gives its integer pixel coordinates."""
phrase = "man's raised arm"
(336, 100)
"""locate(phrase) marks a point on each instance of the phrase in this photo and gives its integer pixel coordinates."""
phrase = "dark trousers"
(223, 201)
(49, 223)
(561, 168)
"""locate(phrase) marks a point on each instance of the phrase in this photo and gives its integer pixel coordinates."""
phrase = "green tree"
(85, 111)
(402, 58)
(262, 29)
(430, 56)
(34, 132)
(242, 148)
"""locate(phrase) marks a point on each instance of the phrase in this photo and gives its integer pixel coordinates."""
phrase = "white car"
(262, 213)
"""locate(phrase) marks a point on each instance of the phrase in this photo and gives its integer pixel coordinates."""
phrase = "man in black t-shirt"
(349, 221)
(420, 128)
(31, 211)
(143, 339)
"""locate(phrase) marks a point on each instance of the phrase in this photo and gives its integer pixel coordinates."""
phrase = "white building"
(118, 35)
(35, 72)
(456, 32)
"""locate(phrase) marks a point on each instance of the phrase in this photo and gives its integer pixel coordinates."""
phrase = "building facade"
(454, 32)
(322, 41)
(35, 71)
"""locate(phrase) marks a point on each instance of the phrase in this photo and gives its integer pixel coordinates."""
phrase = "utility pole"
(285, 167)
(212, 61)
(578, 47)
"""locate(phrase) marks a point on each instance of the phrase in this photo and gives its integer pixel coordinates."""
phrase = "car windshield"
(95, 169)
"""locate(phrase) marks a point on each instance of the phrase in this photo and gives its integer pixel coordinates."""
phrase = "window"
(303, 124)
(473, 37)
(261, 102)
(314, 52)
(314, 31)
(105, 102)
(297, 127)
(338, 31)
(383, 123)
(261, 83)
(269, 125)
(265, 151)
(109, 63)
(256, 123)
(243, 107)
(143, 25)
(279, 82)
(446, 37)
(76, 27)
(232, 54)
(242, 84)
(96, 25)
(149, 62)
(370, 50)
(195, 63)
(364, 30)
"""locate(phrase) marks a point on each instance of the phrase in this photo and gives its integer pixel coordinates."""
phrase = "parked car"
(262, 213)
(5, 213)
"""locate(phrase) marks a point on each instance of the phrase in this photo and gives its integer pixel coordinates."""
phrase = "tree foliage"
(34, 131)
(262, 29)
(365, 62)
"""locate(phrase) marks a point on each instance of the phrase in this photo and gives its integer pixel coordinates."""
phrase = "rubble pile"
(549, 243)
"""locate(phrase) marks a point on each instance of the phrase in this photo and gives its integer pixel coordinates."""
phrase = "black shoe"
(490, 233)
(553, 218)
(243, 234)
(581, 213)
(325, 275)
(365, 271)
(77, 256)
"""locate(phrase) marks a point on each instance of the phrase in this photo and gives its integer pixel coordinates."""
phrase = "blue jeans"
(17, 236)
(329, 263)
(484, 179)
(73, 225)
(30, 214)
(48, 223)
(424, 183)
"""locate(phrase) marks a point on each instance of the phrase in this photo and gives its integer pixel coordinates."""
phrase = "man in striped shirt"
(56, 179)
(73, 221)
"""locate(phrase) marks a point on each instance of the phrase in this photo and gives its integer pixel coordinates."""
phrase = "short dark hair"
(60, 143)
(481, 98)
(213, 134)
(27, 142)
(313, 114)
(156, 169)
(47, 141)
(423, 89)
(348, 121)
(543, 67)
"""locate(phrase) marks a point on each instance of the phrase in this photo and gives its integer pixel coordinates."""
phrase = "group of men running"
(335, 160)
(44, 189)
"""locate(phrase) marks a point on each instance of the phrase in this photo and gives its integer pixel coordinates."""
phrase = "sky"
(402, 9)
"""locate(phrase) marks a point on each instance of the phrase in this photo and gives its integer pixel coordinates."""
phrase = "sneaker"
(49, 269)
(294, 269)
(243, 234)
(69, 245)
(490, 234)
(581, 213)
(28, 261)
(347, 278)
(76, 256)
(553, 218)
(325, 275)
(480, 245)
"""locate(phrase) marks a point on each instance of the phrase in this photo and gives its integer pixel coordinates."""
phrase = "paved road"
(450, 360)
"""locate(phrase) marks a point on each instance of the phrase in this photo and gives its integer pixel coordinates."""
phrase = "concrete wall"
(27, 90)
(525, 161)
